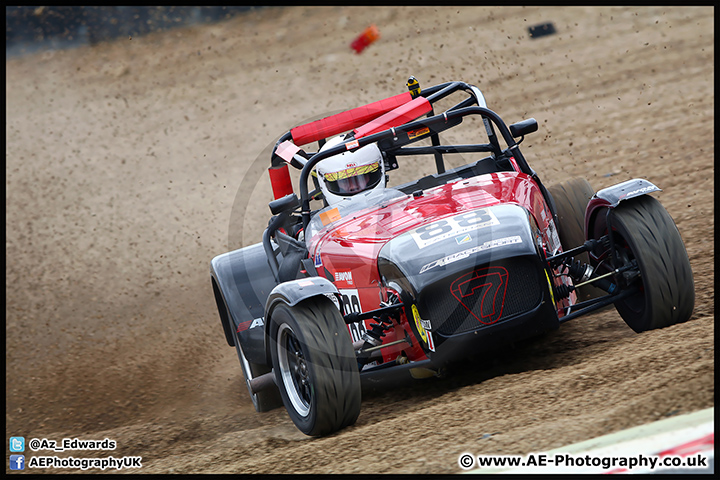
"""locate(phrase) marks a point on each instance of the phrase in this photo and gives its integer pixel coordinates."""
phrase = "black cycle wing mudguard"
(295, 291)
(242, 281)
(610, 197)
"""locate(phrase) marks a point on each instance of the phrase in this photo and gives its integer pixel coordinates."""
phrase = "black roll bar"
(432, 94)
(425, 122)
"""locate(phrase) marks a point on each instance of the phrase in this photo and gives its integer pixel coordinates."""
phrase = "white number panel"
(449, 227)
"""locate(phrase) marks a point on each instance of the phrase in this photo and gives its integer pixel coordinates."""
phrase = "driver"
(349, 173)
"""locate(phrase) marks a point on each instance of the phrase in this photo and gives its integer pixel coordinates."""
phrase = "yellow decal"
(413, 86)
(330, 216)
(418, 133)
(552, 295)
(352, 172)
(418, 323)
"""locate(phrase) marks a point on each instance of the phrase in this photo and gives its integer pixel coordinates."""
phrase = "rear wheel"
(571, 198)
(643, 231)
(315, 366)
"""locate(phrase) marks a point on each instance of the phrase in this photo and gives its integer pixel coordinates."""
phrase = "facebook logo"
(17, 444)
(17, 462)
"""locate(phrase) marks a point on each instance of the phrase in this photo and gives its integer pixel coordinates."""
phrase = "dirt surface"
(125, 167)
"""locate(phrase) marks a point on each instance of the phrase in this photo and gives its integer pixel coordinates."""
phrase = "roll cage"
(386, 123)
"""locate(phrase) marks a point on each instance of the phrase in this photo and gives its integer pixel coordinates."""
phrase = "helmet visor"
(353, 180)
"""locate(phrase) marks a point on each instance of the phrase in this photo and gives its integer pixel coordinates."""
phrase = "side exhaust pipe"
(263, 382)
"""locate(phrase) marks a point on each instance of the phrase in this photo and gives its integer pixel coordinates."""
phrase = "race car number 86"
(351, 303)
(449, 227)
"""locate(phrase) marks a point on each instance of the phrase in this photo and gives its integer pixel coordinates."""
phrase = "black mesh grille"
(492, 293)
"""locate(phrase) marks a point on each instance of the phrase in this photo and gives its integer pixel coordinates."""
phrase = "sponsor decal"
(553, 238)
(419, 323)
(344, 277)
(248, 324)
(424, 328)
(430, 342)
(318, 260)
(330, 216)
(418, 133)
(639, 191)
(470, 251)
(306, 283)
(352, 144)
(463, 239)
(451, 227)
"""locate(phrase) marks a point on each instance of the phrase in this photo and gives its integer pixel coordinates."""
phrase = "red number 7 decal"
(486, 286)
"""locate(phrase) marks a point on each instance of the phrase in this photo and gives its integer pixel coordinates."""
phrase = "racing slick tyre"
(265, 400)
(571, 198)
(315, 366)
(644, 231)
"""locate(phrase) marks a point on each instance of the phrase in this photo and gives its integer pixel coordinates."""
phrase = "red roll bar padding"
(403, 114)
(347, 120)
(280, 181)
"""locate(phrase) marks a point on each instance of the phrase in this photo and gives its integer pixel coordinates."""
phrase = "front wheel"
(315, 366)
(643, 231)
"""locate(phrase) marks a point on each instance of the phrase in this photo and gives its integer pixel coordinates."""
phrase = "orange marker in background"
(368, 36)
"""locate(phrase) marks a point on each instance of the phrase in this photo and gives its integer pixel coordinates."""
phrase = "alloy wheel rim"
(294, 370)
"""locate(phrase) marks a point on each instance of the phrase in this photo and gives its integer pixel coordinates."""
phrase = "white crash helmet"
(351, 172)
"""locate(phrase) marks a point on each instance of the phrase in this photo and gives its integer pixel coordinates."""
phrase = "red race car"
(356, 278)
